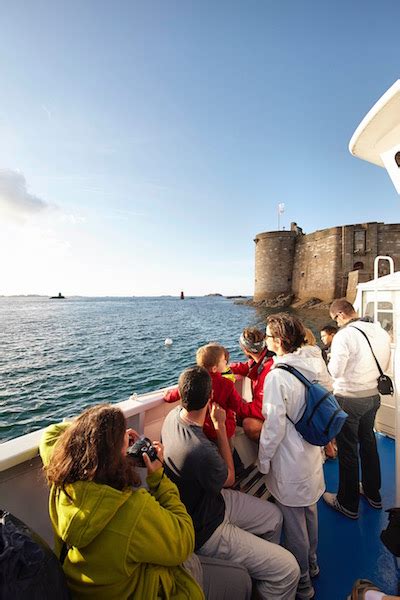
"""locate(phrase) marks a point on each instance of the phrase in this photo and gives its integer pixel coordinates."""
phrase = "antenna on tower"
(281, 210)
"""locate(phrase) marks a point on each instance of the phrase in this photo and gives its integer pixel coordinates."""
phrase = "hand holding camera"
(145, 454)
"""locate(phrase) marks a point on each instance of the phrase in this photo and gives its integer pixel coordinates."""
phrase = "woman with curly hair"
(115, 540)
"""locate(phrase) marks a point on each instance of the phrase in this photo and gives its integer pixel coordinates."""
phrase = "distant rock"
(210, 295)
(246, 300)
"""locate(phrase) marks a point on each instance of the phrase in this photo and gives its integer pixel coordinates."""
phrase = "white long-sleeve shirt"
(352, 364)
(293, 466)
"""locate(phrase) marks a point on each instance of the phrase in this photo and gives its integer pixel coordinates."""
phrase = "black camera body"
(142, 446)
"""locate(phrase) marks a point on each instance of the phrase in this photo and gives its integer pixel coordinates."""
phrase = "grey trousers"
(219, 579)
(249, 535)
(300, 528)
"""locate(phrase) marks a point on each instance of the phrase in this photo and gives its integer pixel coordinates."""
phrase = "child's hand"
(218, 415)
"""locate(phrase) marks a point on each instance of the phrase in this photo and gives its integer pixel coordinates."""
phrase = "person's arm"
(218, 417)
(274, 427)
(172, 395)
(234, 400)
(164, 533)
(240, 368)
(340, 354)
(49, 438)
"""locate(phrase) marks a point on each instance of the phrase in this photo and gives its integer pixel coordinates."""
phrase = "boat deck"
(349, 549)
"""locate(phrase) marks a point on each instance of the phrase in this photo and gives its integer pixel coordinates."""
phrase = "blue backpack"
(322, 418)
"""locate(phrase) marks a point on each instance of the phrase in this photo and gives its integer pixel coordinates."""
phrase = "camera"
(142, 446)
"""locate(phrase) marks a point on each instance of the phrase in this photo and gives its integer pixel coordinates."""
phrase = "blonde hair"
(310, 338)
(208, 356)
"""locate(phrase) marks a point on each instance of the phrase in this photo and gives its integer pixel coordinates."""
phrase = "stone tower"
(274, 264)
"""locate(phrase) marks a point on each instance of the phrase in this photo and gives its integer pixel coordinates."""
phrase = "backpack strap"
(298, 375)
(294, 372)
(369, 344)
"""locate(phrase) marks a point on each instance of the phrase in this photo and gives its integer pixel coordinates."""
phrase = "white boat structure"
(22, 487)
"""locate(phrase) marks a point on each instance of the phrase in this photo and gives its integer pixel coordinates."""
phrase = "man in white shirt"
(354, 371)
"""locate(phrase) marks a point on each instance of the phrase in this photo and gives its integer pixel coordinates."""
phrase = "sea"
(58, 357)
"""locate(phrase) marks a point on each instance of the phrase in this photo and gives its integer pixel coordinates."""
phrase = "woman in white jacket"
(293, 466)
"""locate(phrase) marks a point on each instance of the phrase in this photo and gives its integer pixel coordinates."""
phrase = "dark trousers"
(357, 436)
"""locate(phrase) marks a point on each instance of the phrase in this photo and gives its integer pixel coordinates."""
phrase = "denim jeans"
(357, 438)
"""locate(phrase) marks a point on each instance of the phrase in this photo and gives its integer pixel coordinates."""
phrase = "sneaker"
(373, 503)
(360, 588)
(332, 501)
(314, 570)
(305, 590)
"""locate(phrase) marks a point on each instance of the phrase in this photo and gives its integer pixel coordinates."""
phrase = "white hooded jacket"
(314, 355)
(293, 466)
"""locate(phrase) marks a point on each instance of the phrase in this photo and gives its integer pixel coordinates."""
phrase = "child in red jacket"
(252, 342)
(212, 358)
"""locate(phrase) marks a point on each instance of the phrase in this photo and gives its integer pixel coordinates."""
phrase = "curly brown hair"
(289, 329)
(253, 334)
(91, 450)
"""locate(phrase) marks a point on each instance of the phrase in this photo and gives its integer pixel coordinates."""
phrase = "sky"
(143, 145)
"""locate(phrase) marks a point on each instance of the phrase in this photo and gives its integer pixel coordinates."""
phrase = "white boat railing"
(25, 447)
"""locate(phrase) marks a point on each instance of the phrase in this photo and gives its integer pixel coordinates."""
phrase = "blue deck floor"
(352, 549)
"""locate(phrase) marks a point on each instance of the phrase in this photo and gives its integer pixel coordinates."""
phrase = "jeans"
(358, 431)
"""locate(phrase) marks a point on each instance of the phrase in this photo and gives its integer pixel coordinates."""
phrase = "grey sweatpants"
(300, 528)
(249, 535)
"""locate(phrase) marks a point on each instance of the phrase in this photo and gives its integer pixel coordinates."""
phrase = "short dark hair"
(329, 329)
(289, 329)
(342, 305)
(195, 387)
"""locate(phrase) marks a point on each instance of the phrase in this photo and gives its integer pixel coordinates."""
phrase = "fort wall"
(319, 264)
(316, 264)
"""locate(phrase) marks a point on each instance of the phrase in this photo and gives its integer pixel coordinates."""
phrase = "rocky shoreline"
(288, 301)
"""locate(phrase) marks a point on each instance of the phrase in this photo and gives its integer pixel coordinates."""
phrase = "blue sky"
(143, 145)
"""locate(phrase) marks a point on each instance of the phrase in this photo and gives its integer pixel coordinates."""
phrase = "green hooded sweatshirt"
(122, 545)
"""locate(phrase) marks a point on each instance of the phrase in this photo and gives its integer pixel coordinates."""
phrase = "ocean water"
(59, 356)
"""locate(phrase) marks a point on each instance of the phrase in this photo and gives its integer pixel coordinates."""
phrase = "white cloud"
(15, 200)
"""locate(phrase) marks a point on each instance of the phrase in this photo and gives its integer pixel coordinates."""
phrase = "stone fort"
(326, 264)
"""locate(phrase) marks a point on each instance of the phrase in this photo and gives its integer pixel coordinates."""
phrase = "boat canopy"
(387, 282)
(380, 128)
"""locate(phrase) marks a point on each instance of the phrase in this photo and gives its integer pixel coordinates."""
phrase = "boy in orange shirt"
(213, 358)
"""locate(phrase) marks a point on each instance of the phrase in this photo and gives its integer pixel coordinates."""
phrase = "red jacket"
(257, 372)
(225, 394)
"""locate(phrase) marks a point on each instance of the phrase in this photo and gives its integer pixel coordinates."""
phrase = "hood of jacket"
(79, 519)
(304, 359)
